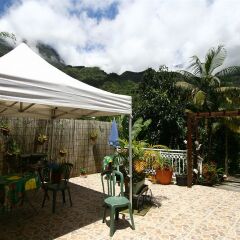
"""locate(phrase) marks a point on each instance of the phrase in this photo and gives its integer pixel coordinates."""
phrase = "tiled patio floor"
(196, 213)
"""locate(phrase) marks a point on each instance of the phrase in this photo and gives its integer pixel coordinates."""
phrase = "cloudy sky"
(120, 35)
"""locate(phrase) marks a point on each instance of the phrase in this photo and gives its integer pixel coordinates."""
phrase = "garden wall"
(72, 135)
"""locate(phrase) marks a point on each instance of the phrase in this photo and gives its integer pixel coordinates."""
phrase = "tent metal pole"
(130, 157)
(52, 141)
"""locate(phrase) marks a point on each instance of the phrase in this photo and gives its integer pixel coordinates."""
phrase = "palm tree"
(212, 89)
(211, 86)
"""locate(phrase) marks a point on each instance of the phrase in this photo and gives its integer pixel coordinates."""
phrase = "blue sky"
(109, 13)
(4, 4)
(121, 35)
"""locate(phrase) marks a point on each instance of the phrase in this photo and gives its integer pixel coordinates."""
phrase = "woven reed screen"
(72, 135)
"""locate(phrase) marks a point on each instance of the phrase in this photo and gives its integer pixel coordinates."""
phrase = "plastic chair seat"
(116, 201)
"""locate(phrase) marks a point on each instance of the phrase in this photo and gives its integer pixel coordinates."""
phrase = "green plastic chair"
(115, 203)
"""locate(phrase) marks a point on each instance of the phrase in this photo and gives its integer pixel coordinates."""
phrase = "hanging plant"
(41, 139)
(5, 129)
(13, 149)
(62, 152)
(94, 135)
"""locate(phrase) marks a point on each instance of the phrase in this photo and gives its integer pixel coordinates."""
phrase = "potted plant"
(41, 139)
(93, 136)
(62, 152)
(164, 170)
(150, 157)
(209, 174)
(83, 172)
(181, 179)
(139, 165)
(4, 129)
(12, 148)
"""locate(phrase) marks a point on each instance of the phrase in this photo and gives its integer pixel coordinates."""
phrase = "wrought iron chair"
(113, 202)
(62, 185)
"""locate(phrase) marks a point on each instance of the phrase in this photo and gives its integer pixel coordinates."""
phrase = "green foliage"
(12, 147)
(164, 103)
(137, 147)
(50, 55)
(83, 171)
(212, 89)
(4, 125)
(210, 174)
(163, 163)
(138, 126)
(5, 47)
(232, 149)
(90, 75)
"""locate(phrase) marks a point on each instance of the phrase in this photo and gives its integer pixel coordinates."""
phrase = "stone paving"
(231, 184)
(185, 213)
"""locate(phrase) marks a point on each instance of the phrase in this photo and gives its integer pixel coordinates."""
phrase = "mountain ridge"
(123, 83)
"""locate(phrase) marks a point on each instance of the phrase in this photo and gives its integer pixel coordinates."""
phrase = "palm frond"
(196, 66)
(216, 81)
(190, 78)
(138, 126)
(232, 123)
(229, 71)
(215, 58)
(187, 74)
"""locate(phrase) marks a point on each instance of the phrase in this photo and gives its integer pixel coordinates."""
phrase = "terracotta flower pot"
(164, 176)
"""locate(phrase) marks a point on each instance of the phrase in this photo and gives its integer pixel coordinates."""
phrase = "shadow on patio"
(24, 223)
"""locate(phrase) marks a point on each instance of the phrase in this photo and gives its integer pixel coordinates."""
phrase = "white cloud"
(145, 33)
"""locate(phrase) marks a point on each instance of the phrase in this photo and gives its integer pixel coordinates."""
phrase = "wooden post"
(189, 149)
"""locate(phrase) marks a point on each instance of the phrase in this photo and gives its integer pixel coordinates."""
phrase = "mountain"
(50, 55)
(46, 51)
(5, 47)
(125, 83)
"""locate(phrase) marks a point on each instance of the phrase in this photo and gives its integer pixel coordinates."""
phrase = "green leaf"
(199, 98)
(230, 71)
(215, 58)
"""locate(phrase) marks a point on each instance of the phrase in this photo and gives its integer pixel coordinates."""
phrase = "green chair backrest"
(111, 160)
(110, 177)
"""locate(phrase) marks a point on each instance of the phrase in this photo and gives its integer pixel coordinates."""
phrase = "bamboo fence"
(74, 136)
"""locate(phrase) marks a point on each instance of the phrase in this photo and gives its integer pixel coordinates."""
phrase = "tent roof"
(30, 86)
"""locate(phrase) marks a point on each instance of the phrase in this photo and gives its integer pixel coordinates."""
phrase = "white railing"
(178, 158)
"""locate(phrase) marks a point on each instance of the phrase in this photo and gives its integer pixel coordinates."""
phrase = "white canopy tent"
(30, 86)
